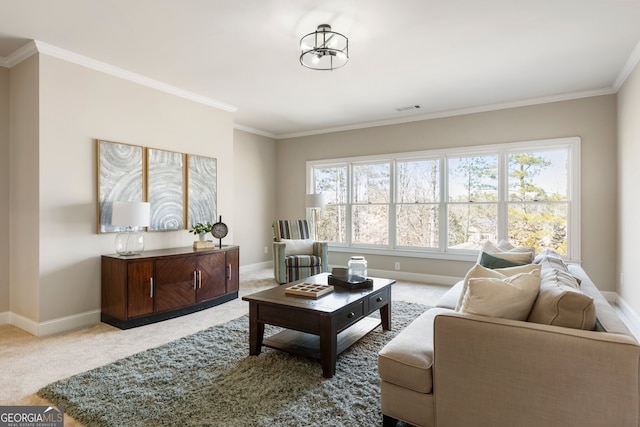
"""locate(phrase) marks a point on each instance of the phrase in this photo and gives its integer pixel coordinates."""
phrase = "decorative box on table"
(350, 282)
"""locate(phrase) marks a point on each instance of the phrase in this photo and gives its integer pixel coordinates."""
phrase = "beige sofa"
(449, 369)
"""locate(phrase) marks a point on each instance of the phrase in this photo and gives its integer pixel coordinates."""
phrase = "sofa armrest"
(497, 372)
(321, 249)
(279, 268)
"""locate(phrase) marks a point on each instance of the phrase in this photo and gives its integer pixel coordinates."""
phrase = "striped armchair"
(295, 254)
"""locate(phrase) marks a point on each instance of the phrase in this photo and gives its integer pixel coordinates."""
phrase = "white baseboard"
(611, 297)
(415, 277)
(51, 327)
(256, 267)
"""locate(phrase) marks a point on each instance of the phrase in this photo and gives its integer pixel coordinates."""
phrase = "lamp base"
(129, 243)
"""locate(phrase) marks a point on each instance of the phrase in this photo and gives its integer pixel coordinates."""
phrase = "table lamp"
(130, 215)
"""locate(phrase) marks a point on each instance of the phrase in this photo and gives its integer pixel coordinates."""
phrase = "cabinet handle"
(351, 315)
(195, 279)
(151, 290)
(199, 279)
(228, 271)
(379, 299)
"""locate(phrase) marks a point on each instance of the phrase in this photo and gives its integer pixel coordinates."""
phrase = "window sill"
(449, 256)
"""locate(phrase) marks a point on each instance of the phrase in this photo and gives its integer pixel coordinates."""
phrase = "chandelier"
(324, 49)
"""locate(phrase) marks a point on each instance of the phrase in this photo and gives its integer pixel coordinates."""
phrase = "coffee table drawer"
(349, 315)
(379, 299)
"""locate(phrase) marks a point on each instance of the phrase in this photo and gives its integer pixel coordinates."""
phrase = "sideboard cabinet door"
(176, 282)
(140, 288)
(233, 270)
(211, 276)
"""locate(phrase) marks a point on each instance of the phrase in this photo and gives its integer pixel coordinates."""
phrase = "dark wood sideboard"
(161, 284)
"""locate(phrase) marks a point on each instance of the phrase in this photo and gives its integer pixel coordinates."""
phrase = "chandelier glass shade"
(324, 49)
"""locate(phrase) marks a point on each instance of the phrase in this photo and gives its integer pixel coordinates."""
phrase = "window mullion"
(442, 212)
(503, 196)
(392, 205)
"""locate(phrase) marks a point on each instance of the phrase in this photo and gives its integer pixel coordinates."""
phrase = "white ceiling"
(449, 56)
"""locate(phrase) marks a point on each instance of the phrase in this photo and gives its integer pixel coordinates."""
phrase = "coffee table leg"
(328, 346)
(256, 330)
(385, 316)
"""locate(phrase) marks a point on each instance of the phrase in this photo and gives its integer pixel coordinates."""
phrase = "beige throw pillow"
(507, 298)
(298, 246)
(478, 271)
(505, 250)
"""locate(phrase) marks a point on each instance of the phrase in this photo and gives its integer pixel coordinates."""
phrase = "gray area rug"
(208, 379)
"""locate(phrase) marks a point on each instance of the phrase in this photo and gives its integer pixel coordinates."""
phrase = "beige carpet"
(29, 363)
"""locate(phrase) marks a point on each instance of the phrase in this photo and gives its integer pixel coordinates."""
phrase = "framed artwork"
(202, 189)
(165, 187)
(119, 178)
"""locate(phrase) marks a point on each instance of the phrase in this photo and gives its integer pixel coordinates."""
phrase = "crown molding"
(628, 68)
(19, 55)
(254, 131)
(452, 113)
(84, 61)
(36, 46)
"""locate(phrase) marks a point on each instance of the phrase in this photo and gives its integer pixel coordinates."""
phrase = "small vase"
(201, 237)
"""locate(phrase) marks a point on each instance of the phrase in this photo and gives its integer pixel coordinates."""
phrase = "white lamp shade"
(131, 214)
(317, 200)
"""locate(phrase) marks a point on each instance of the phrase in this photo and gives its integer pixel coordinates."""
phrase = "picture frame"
(166, 189)
(120, 177)
(202, 189)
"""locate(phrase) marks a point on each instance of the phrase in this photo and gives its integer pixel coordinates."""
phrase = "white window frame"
(571, 144)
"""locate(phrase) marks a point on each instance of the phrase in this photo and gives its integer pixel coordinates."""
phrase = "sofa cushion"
(407, 360)
(550, 259)
(450, 298)
(608, 319)
(560, 302)
(507, 297)
(478, 271)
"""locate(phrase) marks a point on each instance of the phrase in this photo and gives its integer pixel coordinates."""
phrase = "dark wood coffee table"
(320, 328)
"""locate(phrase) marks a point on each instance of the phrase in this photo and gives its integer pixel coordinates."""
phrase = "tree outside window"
(538, 199)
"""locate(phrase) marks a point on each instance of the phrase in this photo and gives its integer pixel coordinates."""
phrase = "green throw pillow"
(490, 261)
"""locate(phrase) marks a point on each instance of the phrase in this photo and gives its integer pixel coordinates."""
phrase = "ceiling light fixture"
(324, 49)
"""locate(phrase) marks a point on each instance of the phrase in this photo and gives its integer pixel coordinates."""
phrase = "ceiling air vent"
(410, 107)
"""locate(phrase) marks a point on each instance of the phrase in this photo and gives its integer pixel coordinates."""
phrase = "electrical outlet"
(397, 266)
(266, 249)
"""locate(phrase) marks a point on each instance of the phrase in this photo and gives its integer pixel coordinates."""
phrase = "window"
(417, 203)
(538, 202)
(371, 193)
(446, 202)
(331, 222)
(472, 200)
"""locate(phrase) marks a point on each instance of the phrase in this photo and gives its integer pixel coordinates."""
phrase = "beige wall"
(592, 119)
(254, 195)
(23, 189)
(629, 191)
(76, 106)
(4, 189)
